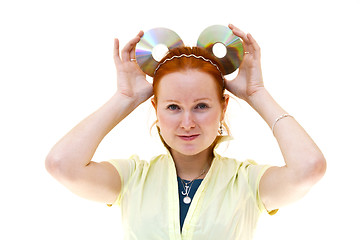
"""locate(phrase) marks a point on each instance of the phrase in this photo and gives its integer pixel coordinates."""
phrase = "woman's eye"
(173, 107)
(201, 106)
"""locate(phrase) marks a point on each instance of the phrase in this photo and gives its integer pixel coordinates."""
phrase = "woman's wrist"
(256, 99)
(263, 103)
(125, 100)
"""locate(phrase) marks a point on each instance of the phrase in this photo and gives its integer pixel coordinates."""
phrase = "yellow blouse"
(226, 205)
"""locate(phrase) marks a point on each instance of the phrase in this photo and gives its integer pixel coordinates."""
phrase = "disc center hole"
(219, 50)
(159, 51)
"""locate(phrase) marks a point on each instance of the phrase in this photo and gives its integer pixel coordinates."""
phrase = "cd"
(151, 39)
(234, 47)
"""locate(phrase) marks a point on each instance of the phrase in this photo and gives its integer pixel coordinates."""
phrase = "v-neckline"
(187, 190)
(186, 231)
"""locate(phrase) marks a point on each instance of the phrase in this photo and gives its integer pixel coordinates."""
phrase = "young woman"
(191, 192)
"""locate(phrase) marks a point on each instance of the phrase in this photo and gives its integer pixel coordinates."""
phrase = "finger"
(116, 50)
(253, 43)
(132, 53)
(246, 42)
(239, 33)
(129, 47)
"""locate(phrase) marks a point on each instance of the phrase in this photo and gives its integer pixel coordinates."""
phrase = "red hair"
(189, 63)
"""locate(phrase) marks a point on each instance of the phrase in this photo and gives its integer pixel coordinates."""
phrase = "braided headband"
(207, 39)
(189, 55)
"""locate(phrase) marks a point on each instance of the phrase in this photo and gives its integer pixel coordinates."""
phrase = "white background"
(56, 68)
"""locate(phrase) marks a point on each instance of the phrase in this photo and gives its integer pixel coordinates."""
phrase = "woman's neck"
(189, 167)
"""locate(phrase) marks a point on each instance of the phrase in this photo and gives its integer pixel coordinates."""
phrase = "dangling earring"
(221, 129)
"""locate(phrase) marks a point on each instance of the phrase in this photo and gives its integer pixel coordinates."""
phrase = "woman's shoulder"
(135, 163)
(135, 158)
(236, 167)
(231, 162)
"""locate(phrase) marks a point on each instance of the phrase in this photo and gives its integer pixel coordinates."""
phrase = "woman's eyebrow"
(171, 100)
(202, 99)
(196, 100)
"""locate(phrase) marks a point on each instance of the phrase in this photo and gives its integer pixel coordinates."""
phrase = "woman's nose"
(187, 121)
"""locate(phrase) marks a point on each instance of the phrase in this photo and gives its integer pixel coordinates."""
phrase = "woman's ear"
(225, 104)
(153, 103)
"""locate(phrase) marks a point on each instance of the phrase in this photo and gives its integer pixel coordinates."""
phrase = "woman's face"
(189, 111)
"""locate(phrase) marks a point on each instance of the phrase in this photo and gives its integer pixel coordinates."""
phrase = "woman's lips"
(188, 137)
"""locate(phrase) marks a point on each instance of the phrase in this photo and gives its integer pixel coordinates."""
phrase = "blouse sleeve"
(126, 169)
(255, 173)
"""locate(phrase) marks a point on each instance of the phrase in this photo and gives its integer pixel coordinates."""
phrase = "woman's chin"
(188, 150)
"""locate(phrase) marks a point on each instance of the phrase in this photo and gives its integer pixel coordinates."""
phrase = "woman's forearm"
(77, 147)
(300, 152)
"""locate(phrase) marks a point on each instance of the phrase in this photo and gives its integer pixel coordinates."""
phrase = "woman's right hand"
(69, 161)
(131, 81)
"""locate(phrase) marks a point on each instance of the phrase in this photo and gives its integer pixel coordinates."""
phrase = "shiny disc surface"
(150, 39)
(234, 47)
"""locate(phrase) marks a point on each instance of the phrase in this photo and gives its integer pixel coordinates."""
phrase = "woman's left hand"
(249, 79)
